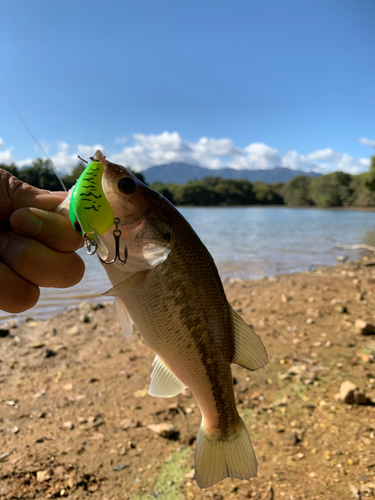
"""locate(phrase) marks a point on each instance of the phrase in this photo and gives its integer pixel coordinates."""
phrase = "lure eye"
(77, 227)
(126, 185)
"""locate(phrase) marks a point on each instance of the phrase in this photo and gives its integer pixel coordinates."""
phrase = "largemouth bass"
(170, 288)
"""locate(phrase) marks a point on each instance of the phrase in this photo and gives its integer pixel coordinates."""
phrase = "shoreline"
(77, 421)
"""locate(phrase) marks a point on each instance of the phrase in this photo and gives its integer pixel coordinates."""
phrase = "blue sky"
(249, 84)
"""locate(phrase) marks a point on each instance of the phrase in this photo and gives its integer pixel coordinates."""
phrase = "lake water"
(246, 242)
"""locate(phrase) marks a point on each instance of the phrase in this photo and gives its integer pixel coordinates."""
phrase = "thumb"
(15, 194)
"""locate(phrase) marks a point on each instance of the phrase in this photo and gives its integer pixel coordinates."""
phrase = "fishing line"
(20, 117)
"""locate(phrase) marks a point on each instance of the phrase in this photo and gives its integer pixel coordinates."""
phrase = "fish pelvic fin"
(218, 456)
(249, 350)
(127, 285)
(124, 317)
(164, 383)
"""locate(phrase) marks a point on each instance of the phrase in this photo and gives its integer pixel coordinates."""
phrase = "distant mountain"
(180, 173)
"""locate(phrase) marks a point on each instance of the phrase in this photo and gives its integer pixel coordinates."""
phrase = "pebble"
(119, 467)
(4, 332)
(74, 330)
(68, 425)
(340, 309)
(36, 345)
(85, 318)
(363, 327)
(42, 475)
(126, 423)
(350, 394)
(164, 430)
(95, 421)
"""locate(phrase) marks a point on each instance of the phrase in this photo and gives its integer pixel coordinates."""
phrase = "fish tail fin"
(221, 456)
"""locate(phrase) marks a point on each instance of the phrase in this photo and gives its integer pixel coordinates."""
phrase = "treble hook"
(92, 246)
(117, 234)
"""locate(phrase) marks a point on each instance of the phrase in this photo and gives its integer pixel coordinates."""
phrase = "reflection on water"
(246, 242)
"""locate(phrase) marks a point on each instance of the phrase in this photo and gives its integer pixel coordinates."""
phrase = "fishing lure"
(89, 210)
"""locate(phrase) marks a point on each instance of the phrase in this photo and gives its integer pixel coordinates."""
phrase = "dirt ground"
(74, 407)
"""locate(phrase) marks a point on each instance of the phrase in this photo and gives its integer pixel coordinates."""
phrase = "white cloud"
(6, 157)
(121, 140)
(325, 161)
(168, 147)
(1, 143)
(367, 142)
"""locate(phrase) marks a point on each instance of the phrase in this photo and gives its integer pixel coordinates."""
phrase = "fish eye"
(126, 185)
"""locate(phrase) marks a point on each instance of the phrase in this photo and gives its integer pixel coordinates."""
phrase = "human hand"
(37, 245)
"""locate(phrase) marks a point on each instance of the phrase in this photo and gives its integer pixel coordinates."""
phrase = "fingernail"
(27, 223)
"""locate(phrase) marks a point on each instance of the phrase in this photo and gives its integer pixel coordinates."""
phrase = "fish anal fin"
(249, 350)
(164, 384)
(123, 317)
(218, 457)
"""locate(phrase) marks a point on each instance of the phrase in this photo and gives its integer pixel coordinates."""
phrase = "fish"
(171, 290)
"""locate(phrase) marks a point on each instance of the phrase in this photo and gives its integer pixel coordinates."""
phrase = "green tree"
(297, 192)
(369, 178)
(332, 190)
(266, 194)
(70, 179)
(233, 192)
(12, 168)
(40, 175)
(165, 190)
(196, 193)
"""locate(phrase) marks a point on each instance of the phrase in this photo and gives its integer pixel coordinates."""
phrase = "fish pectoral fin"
(126, 285)
(249, 350)
(124, 317)
(164, 384)
(155, 254)
(221, 456)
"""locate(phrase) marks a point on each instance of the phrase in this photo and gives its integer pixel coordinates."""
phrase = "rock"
(95, 421)
(74, 330)
(355, 491)
(36, 345)
(190, 475)
(42, 475)
(164, 430)
(341, 258)
(85, 318)
(96, 307)
(4, 332)
(119, 467)
(346, 394)
(363, 328)
(350, 394)
(49, 353)
(68, 425)
(340, 310)
(126, 423)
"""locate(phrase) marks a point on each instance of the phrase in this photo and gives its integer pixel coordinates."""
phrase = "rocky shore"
(76, 419)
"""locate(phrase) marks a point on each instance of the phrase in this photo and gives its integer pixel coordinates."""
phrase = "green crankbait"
(89, 209)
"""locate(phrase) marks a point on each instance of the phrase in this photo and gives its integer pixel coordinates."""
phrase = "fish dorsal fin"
(126, 285)
(249, 350)
(164, 384)
(123, 317)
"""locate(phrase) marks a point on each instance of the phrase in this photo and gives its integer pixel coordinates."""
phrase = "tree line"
(332, 190)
